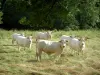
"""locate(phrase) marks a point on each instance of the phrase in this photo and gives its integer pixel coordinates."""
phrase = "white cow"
(49, 47)
(43, 35)
(77, 44)
(14, 36)
(68, 38)
(24, 41)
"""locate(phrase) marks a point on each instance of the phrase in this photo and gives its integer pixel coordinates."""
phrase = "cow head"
(30, 39)
(63, 43)
(49, 34)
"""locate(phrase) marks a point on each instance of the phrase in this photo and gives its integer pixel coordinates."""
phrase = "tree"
(52, 14)
(1, 14)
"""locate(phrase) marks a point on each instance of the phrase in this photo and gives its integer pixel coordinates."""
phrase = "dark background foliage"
(50, 14)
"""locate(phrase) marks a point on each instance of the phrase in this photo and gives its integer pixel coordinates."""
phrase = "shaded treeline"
(50, 14)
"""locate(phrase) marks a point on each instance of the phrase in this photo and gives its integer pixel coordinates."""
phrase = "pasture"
(23, 62)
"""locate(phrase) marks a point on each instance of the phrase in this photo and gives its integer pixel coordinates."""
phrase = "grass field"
(23, 62)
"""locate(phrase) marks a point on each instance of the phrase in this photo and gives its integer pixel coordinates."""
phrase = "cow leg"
(18, 47)
(30, 47)
(58, 55)
(24, 48)
(38, 55)
(13, 41)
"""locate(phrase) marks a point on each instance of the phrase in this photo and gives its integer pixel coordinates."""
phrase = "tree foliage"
(1, 14)
(52, 14)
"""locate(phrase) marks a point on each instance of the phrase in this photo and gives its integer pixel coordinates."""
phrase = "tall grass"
(15, 62)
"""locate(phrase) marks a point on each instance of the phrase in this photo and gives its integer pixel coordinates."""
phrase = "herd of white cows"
(43, 44)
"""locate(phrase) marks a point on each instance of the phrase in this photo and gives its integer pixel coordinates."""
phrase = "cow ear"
(49, 32)
(31, 37)
(30, 34)
(86, 38)
(60, 41)
(22, 34)
(28, 37)
(71, 36)
(66, 41)
(80, 39)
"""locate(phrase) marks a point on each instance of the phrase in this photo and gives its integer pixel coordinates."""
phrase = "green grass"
(23, 62)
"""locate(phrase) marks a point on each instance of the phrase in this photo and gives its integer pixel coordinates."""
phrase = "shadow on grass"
(4, 52)
(32, 60)
(35, 73)
(8, 45)
(3, 72)
(9, 51)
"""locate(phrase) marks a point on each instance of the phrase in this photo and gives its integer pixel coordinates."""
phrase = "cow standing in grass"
(66, 37)
(14, 37)
(43, 35)
(49, 47)
(77, 44)
(24, 41)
